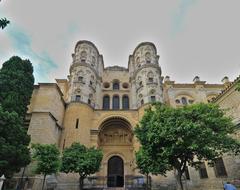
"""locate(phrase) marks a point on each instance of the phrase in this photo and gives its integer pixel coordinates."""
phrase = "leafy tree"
(145, 164)
(14, 152)
(4, 22)
(185, 135)
(48, 159)
(82, 160)
(16, 85)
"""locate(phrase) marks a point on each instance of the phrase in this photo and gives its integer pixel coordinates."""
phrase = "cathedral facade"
(100, 106)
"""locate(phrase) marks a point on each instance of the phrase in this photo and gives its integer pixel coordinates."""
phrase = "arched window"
(78, 98)
(125, 102)
(115, 102)
(219, 168)
(115, 85)
(148, 57)
(106, 102)
(153, 98)
(184, 101)
(150, 76)
(83, 56)
(142, 102)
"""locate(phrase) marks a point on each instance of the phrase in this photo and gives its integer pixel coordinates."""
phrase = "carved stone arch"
(184, 98)
(150, 74)
(116, 117)
(80, 73)
(115, 153)
(185, 93)
(83, 54)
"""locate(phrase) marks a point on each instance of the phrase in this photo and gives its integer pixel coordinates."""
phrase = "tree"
(147, 166)
(48, 159)
(3, 22)
(16, 85)
(14, 151)
(185, 135)
(82, 160)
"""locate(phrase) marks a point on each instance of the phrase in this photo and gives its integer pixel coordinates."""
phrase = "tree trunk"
(147, 182)
(81, 178)
(178, 176)
(43, 181)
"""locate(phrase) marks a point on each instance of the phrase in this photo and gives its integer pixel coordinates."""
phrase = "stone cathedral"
(100, 106)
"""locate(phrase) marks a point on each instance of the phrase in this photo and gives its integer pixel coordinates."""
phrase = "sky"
(193, 37)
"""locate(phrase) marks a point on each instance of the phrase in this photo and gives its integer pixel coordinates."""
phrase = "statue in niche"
(148, 57)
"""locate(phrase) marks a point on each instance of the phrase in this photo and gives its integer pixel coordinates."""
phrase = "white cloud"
(205, 40)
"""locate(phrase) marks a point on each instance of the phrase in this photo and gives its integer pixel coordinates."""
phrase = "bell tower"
(145, 75)
(85, 74)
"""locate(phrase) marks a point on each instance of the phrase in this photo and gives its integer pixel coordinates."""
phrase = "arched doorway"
(115, 138)
(115, 175)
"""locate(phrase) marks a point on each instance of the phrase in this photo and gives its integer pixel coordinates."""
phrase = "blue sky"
(193, 37)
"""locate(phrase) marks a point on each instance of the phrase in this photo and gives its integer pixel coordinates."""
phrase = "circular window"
(190, 101)
(106, 85)
(125, 85)
(177, 101)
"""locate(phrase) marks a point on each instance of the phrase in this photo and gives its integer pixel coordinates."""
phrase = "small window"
(116, 85)
(177, 101)
(80, 79)
(77, 121)
(91, 83)
(142, 102)
(125, 85)
(140, 83)
(219, 168)
(150, 79)
(153, 98)
(203, 171)
(89, 101)
(186, 173)
(106, 102)
(78, 98)
(115, 102)
(184, 101)
(83, 56)
(106, 85)
(190, 101)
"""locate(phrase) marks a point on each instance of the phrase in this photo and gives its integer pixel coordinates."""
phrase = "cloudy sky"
(193, 37)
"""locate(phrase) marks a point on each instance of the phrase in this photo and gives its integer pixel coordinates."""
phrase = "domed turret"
(85, 72)
(145, 74)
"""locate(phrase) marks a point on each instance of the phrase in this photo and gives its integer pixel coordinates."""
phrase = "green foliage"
(82, 160)
(176, 136)
(16, 85)
(47, 157)
(14, 140)
(4, 22)
(146, 165)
